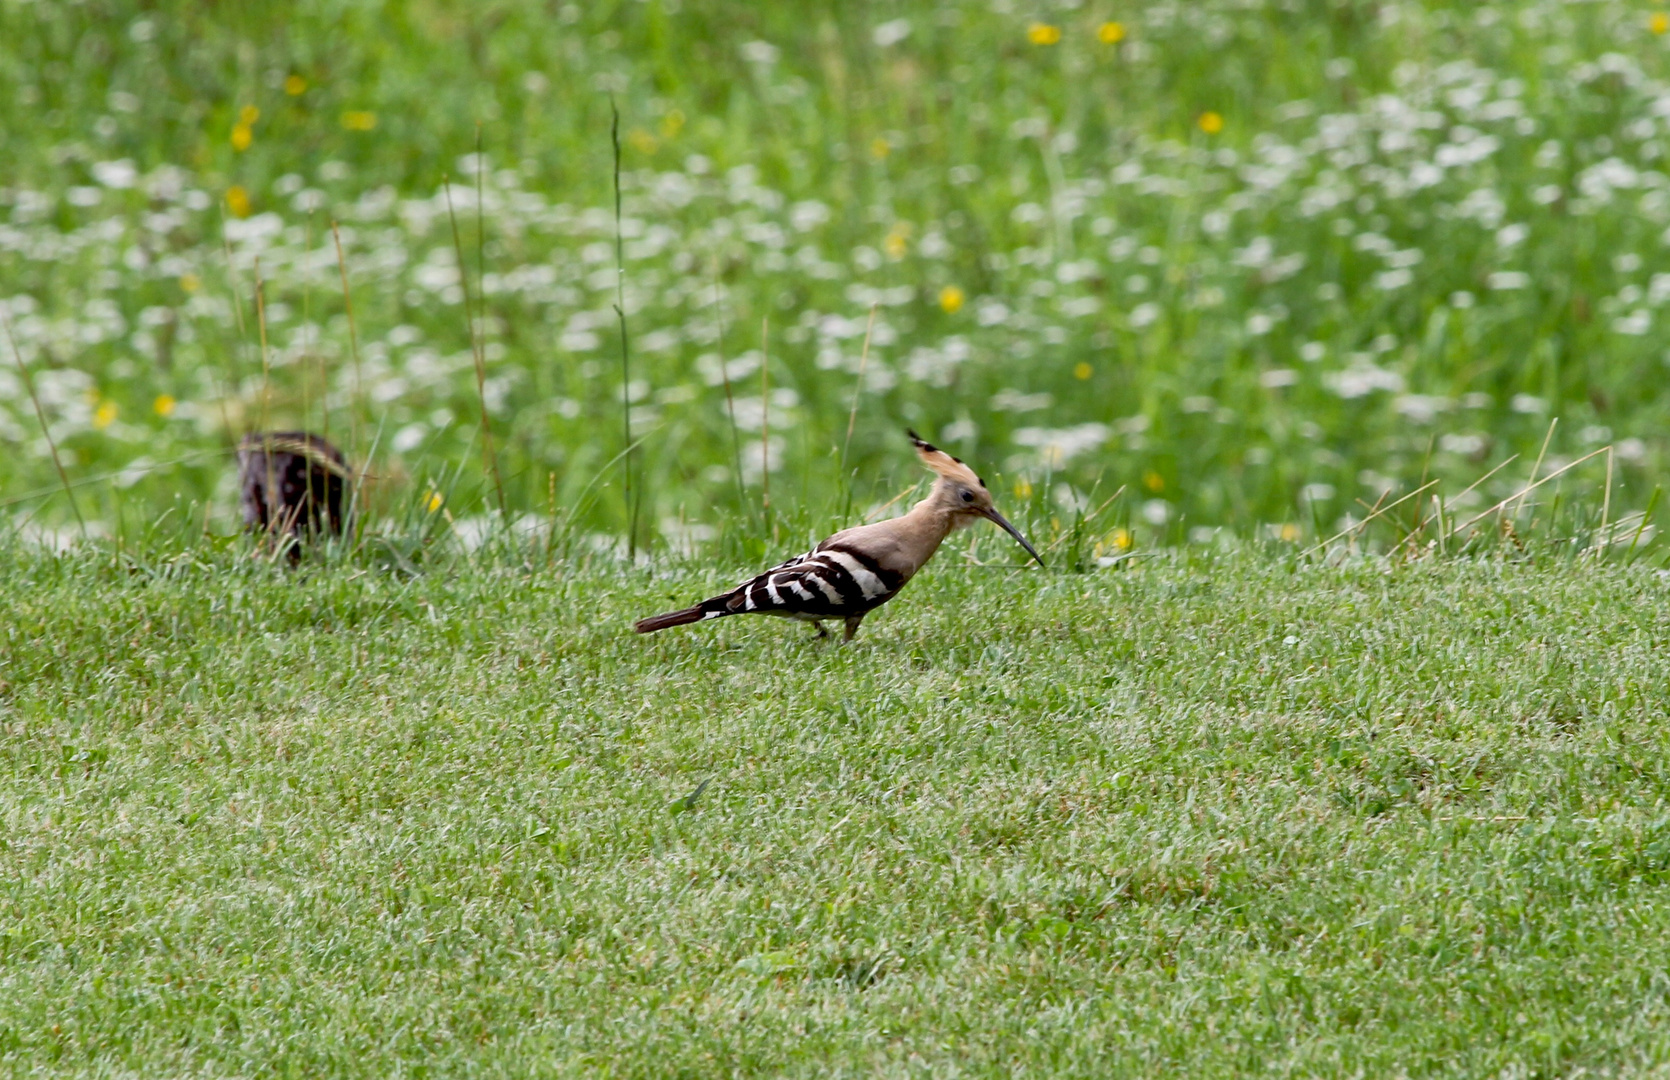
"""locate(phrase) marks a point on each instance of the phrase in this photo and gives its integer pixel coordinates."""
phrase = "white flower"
(736, 369)
(890, 33)
(1635, 324)
(1421, 408)
(409, 438)
(1056, 446)
(115, 174)
(1462, 444)
(1011, 400)
(1600, 180)
(1425, 174)
(991, 312)
(1362, 379)
(1256, 254)
(1503, 280)
(1483, 205)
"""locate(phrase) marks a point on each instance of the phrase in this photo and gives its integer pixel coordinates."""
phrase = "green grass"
(1212, 815)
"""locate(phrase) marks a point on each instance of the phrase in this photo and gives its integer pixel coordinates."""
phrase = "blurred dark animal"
(292, 485)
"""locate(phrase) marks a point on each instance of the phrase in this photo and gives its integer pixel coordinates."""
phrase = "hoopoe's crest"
(857, 570)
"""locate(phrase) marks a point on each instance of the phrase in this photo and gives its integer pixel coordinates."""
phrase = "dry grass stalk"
(1548, 437)
(353, 348)
(858, 388)
(1522, 492)
(1356, 527)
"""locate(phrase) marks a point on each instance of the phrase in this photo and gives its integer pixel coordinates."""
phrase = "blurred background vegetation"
(1260, 263)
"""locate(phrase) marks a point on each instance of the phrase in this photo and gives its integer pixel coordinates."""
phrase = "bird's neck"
(928, 523)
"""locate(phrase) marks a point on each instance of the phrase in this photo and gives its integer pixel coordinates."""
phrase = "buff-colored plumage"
(858, 569)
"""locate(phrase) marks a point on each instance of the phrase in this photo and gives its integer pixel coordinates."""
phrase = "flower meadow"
(1261, 265)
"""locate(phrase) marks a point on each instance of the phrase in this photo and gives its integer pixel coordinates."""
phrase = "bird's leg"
(852, 626)
(818, 626)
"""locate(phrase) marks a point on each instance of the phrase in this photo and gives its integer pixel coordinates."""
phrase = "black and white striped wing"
(834, 582)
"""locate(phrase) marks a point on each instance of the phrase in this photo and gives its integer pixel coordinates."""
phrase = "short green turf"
(1209, 816)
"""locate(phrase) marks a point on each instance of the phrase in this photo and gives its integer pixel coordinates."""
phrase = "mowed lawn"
(1207, 816)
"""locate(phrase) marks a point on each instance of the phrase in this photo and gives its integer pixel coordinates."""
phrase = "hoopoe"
(292, 483)
(857, 570)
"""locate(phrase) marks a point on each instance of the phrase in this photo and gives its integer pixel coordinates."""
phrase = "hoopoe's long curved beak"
(1003, 523)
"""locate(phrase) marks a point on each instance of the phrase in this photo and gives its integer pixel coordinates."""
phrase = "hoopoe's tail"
(707, 609)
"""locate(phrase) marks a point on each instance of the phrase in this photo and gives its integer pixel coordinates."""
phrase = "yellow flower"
(359, 120)
(432, 501)
(898, 241)
(1043, 34)
(672, 123)
(1111, 33)
(295, 86)
(642, 141)
(242, 136)
(1081, 371)
(1023, 489)
(879, 148)
(237, 200)
(1659, 23)
(105, 416)
(163, 405)
(1211, 122)
(190, 282)
(1153, 481)
(1290, 532)
(1122, 539)
(248, 114)
(951, 299)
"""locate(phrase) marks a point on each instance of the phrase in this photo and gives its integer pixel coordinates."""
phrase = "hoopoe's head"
(960, 494)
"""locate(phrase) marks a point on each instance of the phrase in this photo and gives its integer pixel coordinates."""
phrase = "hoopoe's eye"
(968, 496)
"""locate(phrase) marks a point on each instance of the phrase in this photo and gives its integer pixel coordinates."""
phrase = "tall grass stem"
(358, 404)
(627, 489)
(765, 422)
(730, 396)
(490, 458)
(857, 392)
(46, 432)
